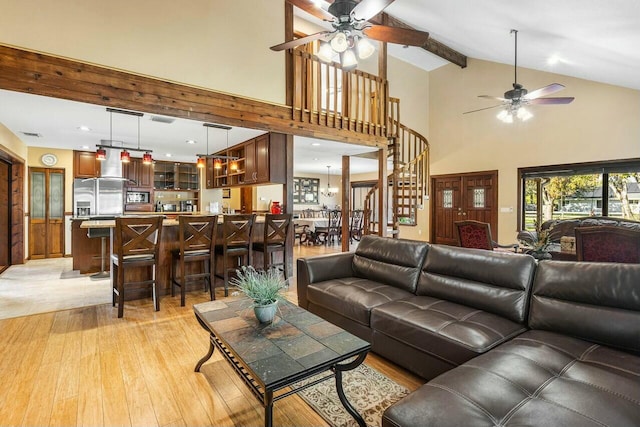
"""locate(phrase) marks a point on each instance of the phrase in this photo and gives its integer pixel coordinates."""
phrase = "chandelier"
(329, 191)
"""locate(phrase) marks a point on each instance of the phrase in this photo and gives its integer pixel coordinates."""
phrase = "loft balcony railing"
(327, 95)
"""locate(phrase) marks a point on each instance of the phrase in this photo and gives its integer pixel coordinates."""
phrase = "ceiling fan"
(351, 30)
(515, 99)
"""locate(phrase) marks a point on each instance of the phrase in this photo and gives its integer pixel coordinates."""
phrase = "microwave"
(138, 197)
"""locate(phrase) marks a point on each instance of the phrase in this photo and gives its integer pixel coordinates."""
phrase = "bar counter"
(168, 242)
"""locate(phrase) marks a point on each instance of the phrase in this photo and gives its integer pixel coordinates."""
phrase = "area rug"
(367, 390)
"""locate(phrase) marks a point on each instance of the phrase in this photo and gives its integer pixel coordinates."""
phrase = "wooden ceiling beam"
(47, 75)
(432, 45)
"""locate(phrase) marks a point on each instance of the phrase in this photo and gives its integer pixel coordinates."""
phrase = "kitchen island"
(168, 242)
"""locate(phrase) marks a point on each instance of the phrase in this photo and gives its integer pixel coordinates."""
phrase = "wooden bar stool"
(136, 244)
(197, 236)
(237, 236)
(276, 235)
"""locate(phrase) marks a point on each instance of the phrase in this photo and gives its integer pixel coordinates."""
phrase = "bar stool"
(237, 236)
(103, 234)
(136, 244)
(276, 236)
(196, 235)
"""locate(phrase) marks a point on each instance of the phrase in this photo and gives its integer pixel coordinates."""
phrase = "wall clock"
(49, 159)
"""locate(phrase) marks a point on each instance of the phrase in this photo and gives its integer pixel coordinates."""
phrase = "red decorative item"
(276, 208)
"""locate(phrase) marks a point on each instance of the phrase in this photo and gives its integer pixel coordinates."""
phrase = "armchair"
(477, 235)
(608, 244)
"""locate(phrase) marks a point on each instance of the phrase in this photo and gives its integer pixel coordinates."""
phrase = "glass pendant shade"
(348, 59)
(339, 42)
(125, 157)
(325, 53)
(365, 48)
(147, 159)
(233, 166)
(200, 163)
(101, 154)
(217, 164)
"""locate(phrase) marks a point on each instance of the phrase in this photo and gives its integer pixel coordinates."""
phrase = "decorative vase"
(276, 208)
(540, 255)
(265, 313)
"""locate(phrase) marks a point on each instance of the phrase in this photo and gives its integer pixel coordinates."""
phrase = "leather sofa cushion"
(597, 302)
(353, 297)
(539, 378)
(449, 331)
(496, 282)
(395, 262)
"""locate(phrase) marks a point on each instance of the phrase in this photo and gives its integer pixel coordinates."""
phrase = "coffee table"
(270, 358)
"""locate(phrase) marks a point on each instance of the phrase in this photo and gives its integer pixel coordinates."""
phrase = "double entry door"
(46, 213)
(462, 197)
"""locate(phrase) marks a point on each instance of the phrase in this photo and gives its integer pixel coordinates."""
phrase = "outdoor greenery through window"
(577, 191)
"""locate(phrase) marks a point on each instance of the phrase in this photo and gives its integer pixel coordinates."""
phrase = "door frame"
(494, 200)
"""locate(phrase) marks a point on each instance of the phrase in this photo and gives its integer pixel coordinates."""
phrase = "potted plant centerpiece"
(264, 288)
(537, 246)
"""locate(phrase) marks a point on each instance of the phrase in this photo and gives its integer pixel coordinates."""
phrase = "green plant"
(263, 287)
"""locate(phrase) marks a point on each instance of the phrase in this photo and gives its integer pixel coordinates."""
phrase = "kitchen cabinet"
(175, 176)
(139, 173)
(85, 164)
(260, 160)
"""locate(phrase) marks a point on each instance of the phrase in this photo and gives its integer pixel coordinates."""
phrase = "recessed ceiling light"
(84, 147)
(190, 141)
(315, 158)
(84, 128)
(315, 144)
(168, 155)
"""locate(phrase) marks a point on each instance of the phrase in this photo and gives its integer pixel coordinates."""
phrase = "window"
(577, 191)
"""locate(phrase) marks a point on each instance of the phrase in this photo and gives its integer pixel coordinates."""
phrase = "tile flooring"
(45, 285)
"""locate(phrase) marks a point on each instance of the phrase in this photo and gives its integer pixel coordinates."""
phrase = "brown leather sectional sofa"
(503, 340)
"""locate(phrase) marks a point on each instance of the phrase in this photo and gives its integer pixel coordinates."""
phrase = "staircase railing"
(409, 181)
(327, 95)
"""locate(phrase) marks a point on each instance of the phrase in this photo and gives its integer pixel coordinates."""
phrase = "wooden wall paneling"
(5, 215)
(17, 212)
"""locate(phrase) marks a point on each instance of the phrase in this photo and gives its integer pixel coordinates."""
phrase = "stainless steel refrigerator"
(98, 196)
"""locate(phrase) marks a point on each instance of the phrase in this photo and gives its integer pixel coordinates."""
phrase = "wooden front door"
(46, 213)
(461, 197)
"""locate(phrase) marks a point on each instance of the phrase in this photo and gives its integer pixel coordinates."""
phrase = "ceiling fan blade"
(544, 91)
(311, 8)
(397, 35)
(551, 101)
(480, 109)
(497, 98)
(367, 9)
(298, 42)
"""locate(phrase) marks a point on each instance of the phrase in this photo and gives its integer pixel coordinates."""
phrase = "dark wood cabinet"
(176, 176)
(260, 160)
(85, 164)
(139, 173)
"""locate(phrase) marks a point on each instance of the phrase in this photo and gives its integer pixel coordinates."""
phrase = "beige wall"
(602, 123)
(221, 44)
(10, 143)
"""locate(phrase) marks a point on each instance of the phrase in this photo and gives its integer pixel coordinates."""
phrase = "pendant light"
(202, 161)
(330, 191)
(125, 155)
(233, 165)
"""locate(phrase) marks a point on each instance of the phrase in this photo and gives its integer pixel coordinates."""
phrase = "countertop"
(87, 222)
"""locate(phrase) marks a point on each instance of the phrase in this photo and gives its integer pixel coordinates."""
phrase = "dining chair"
(237, 239)
(355, 227)
(136, 244)
(477, 235)
(196, 240)
(275, 238)
(333, 230)
(605, 243)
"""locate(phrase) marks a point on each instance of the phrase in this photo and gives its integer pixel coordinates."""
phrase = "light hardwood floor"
(87, 367)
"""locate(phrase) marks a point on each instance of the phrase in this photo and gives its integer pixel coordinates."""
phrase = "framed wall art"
(305, 191)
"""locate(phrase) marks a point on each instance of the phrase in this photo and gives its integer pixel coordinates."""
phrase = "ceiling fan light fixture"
(505, 116)
(339, 42)
(523, 114)
(325, 53)
(365, 48)
(348, 59)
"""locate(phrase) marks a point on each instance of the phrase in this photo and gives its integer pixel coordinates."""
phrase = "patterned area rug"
(367, 390)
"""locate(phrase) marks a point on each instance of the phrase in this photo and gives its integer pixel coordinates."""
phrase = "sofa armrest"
(319, 269)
